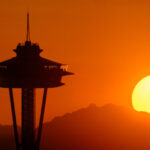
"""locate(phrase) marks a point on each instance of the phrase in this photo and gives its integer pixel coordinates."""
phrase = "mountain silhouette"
(109, 127)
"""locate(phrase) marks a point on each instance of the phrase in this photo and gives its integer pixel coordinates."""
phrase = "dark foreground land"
(94, 128)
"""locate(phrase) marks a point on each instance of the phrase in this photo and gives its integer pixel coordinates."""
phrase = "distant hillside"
(98, 128)
(94, 128)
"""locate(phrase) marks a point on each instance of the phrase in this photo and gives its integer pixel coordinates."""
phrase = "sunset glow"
(141, 95)
(105, 43)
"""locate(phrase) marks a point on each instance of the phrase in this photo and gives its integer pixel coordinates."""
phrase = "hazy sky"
(106, 43)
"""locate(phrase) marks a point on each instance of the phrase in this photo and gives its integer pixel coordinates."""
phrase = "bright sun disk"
(141, 95)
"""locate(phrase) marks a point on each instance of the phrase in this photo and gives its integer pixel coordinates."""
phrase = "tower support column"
(14, 119)
(41, 120)
(28, 118)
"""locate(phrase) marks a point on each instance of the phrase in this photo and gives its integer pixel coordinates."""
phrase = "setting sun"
(141, 95)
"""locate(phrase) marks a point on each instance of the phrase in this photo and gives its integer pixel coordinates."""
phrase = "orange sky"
(105, 43)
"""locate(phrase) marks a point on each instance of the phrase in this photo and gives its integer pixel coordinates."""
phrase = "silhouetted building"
(28, 70)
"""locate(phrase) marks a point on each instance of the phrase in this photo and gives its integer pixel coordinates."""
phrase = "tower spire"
(28, 29)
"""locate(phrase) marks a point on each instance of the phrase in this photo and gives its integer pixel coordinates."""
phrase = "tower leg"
(14, 118)
(28, 119)
(41, 120)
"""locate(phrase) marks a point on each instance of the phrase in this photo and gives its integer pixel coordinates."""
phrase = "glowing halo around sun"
(141, 95)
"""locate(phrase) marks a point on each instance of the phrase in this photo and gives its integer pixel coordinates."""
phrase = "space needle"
(28, 70)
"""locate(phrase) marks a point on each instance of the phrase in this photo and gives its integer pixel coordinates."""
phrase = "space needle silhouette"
(28, 70)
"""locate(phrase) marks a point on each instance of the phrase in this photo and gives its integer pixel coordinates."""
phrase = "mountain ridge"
(110, 127)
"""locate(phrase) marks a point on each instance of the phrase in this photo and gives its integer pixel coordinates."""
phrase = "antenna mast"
(28, 29)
